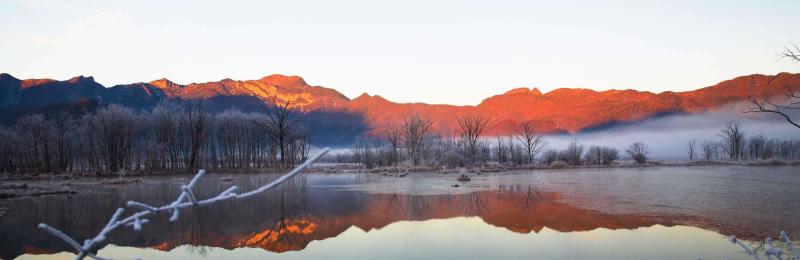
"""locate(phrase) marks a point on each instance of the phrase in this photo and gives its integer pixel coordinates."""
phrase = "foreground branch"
(766, 106)
(771, 251)
(792, 53)
(186, 199)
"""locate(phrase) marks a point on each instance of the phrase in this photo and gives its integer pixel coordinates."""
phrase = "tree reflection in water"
(283, 228)
(472, 204)
(291, 217)
(198, 250)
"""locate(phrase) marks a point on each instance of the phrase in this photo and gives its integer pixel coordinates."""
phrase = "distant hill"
(560, 110)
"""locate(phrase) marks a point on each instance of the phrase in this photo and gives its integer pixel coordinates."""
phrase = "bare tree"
(733, 140)
(364, 151)
(691, 145)
(394, 135)
(34, 142)
(415, 132)
(472, 127)
(756, 147)
(115, 135)
(609, 155)
(792, 53)
(573, 155)
(598, 155)
(638, 151)
(593, 155)
(518, 156)
(501, 150)
(789, 101)
(709, 149)
(484, 150)
(281, 126)
(165, 130)
(194, 120)
(532, 142)
(239, 143)
(304, 147)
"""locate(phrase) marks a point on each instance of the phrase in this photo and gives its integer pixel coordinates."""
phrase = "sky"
(444, 52)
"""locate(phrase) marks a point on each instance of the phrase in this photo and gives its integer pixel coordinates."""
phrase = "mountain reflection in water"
(292, 217)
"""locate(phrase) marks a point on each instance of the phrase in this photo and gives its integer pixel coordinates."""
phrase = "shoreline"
(34, 185)
(489, 168)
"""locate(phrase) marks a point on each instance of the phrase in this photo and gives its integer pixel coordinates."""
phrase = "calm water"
(645, 213)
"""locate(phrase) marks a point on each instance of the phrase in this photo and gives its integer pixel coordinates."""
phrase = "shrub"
(609, 155)
(559, 165)
(638, 151)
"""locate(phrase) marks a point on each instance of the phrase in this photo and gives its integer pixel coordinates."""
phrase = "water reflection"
(291, 218)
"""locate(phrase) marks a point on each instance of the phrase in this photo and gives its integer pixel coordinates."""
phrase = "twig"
(749, 251)
(186, 199)
(771, 250)
(790, 245)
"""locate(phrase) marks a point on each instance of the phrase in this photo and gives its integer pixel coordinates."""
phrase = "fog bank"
(667, 136)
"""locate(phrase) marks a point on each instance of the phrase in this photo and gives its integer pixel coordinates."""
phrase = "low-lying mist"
(667, 136)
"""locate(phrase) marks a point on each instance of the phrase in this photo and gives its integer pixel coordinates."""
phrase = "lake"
(606, 213)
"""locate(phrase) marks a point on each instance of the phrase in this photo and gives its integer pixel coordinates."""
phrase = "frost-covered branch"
(770, 251)
(186, 199)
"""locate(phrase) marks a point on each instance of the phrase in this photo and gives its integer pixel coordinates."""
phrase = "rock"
(456, 185)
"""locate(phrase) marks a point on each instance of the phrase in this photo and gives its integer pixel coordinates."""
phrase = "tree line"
(412, 143)
(172, 137)
(734, 144)
(182, 137)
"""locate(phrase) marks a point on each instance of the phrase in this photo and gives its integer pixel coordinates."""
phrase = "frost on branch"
(771, 252)
(186, 199)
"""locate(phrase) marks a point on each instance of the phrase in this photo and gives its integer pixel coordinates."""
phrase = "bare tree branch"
(792, 52)
(531, 141)
(764, 105)
(415, 130)
(282, 126)
(472, 127)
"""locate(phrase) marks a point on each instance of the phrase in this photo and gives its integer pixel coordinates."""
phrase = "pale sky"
(453, 52)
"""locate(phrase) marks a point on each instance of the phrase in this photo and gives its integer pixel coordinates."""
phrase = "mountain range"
(561, 110)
